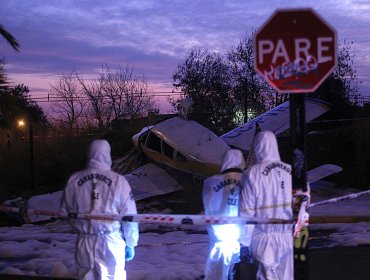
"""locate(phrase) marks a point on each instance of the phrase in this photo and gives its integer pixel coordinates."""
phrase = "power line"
(51, 98)
(157, 94)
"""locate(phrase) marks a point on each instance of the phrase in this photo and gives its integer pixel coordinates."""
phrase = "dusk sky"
(153, 36)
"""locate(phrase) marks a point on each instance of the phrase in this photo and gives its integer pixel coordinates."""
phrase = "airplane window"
(143, 137)
(167, 150)
(180, 157)
(154, 142)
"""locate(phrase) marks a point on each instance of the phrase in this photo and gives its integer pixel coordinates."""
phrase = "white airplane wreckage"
(181, 153)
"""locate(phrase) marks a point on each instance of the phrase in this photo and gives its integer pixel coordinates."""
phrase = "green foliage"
(15, 104)
(3, 77)
(340, 89)
(14, 44)
(248, 88)
(205, 78)
(9, 38)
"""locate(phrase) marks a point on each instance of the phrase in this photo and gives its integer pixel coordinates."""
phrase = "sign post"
(295, 50)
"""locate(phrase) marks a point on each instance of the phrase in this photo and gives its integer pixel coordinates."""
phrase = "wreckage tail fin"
(251, 159)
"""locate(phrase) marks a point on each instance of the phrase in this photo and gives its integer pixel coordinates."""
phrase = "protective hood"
(266, 147)
(99, 155)
(233, 159)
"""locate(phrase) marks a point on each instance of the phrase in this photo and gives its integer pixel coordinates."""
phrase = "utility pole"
(32, 179)
(21, 123)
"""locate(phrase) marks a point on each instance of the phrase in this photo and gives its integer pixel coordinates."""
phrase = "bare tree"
(126, 95)
(69, 105)
(114, 84)
(138, 99)
(96, 102)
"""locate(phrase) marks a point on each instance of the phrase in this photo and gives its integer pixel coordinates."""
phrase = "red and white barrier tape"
(183, 219)
(340, 198)
(151, 218)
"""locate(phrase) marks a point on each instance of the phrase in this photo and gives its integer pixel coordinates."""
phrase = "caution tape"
(182, 219)
(338, 234)
(150, 218)
(340, 198)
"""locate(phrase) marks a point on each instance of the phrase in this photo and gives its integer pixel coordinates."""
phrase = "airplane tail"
(251, 159)
(322, 171)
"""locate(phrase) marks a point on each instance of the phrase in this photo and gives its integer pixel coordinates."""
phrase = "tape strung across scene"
(340, 198)
(150, 218)
(182, 219)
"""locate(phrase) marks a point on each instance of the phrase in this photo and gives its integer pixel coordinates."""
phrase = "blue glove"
(246, 254)
(129, 253)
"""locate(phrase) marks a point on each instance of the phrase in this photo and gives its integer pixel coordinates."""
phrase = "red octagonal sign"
(295, 50)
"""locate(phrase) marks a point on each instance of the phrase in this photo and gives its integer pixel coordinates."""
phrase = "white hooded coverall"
(100, 246)
(267, 193)
(221, 197)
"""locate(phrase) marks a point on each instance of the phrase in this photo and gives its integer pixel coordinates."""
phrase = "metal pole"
(299, 179)
(31, 155)
(298, 141)
(9, 153)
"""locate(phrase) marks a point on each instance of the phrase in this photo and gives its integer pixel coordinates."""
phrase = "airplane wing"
(276, 120)
(145, 181)
(322, 171)
(150, 180)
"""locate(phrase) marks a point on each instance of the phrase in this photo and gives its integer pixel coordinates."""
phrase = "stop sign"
(295, 50)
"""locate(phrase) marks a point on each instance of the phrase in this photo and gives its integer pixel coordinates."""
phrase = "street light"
(22, 123)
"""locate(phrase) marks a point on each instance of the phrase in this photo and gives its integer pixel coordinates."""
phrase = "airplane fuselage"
(183, 145)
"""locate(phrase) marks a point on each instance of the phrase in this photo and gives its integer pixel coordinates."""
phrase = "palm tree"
(13, 42)
(5, 99)
(10, 38)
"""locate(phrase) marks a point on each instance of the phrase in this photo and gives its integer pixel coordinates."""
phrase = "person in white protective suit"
(102, 246)
(267, 193)
(221, 197)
